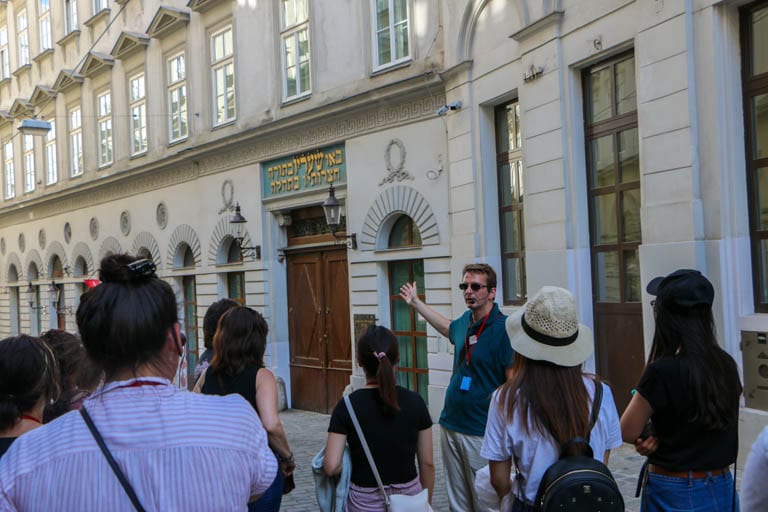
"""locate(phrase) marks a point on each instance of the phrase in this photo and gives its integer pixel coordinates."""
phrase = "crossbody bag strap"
(112, 462)
(367, 450)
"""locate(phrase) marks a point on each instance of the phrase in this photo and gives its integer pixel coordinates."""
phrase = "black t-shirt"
(5, 443)
(392, 439)
(685, 444)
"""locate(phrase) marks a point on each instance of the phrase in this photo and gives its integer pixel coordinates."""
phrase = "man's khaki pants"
(461, 460)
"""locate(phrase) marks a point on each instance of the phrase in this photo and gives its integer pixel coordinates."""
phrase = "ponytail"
(377, 353)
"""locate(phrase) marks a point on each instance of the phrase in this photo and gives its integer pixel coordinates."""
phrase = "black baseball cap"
(683, 287)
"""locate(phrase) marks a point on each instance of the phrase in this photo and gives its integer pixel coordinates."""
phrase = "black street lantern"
(332, 209)
(238, 220)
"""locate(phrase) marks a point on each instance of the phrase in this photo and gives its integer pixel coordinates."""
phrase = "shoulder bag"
(396, 502)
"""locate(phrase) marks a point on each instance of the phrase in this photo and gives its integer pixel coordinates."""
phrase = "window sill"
(224, 124)
(104, 166)
(42, 55)
(21, 70)
(104, 13)
(176, 142)
(386, 68)
(296, 99)
(75, 34)
(5, 81)
(137, 155)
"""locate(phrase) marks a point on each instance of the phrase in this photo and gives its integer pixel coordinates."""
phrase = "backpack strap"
(596, 402)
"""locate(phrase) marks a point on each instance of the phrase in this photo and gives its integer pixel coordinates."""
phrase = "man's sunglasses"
(476, 287)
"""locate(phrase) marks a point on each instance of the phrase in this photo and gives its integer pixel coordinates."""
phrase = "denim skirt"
(682, 494)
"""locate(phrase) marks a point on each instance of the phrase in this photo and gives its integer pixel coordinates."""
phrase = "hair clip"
(142, 268)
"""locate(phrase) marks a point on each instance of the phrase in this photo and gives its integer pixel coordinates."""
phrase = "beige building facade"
(588, 144)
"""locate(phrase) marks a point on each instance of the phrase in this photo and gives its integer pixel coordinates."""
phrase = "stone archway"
(394, 200)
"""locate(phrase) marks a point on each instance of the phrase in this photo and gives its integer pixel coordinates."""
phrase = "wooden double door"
(319, 328)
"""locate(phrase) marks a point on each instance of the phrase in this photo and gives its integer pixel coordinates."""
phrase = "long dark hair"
(689, 333)
(240, 341)
(124, 321)
(28, 373)
(554, 397)
(77, 373)
(378, 352)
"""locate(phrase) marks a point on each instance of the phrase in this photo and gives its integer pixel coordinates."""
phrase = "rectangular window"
(23, 37)
(51, 165)
(754, 28)
(28, 145)
(177, 98)
(236, 287)
(75, 143)
(509, 170)
(138, 106)
(409, 328)
(44, 18)
(70, 15)
(5, 57)
(104, 113)
(190, 325)
(294, 34)
(98, 6)
(613, 180)
(10, 173)
(390, 21)
(223, 69)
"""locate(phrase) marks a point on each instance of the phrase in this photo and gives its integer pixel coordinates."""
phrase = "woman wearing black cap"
(690, 393)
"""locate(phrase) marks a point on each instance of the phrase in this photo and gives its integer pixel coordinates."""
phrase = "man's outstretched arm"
(410, 295)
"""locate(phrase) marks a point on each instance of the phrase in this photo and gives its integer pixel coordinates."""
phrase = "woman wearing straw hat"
(690, 391)
(547, 400)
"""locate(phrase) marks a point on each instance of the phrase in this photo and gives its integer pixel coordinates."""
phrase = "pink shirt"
(179, 450)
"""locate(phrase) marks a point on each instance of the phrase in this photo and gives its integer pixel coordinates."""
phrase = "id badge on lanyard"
(469, 345)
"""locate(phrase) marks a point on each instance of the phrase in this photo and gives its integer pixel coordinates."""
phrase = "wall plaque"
(311, 170)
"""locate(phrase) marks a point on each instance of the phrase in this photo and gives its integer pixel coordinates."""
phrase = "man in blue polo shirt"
(482, 361)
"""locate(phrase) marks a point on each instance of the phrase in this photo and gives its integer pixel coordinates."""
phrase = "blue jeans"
(272, 497)
(674, 494)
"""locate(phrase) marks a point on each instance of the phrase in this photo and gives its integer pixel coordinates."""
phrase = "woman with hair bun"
(396, 425)
(28, 381)
(139, 442)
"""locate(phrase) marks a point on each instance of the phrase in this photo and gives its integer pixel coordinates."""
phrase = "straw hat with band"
(547, 328)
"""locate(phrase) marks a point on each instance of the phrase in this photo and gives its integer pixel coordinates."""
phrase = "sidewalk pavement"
(308, 431)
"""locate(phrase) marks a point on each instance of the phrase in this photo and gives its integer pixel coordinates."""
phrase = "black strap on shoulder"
(112, 462)
(596, 402)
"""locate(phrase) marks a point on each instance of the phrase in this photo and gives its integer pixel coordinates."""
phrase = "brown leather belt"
(658, 470)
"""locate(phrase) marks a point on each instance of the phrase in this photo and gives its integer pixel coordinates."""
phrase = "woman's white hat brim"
(573, 354)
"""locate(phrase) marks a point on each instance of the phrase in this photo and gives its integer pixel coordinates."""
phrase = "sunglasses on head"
(476, 287)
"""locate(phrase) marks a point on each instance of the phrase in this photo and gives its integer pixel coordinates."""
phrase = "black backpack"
(578, 482)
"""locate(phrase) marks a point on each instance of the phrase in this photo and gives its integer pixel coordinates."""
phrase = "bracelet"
(288, 459)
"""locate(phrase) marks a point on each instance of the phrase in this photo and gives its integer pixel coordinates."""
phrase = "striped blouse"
(179, 450)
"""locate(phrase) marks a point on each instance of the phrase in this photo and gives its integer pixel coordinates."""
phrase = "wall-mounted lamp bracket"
(254, 251)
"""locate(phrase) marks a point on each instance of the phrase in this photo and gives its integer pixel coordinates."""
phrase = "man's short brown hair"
(481, 268)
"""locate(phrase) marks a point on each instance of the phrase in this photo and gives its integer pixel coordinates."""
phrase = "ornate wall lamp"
(32, 294)
(332, 209)
(238, 220)
(54, 296)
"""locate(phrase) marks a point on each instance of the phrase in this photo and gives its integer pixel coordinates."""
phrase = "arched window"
(189, 258)
(404, 233)
(234, 255)
(57, 270)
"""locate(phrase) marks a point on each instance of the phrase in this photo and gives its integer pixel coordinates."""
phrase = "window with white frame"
(98, 6)
(223, 69)
(138, 105)
(70, 15)
(294, 34)
(177, 98)
(10, 173)
(390, 21)
(51, 165)
(44, 19)
(22, 33)
(5, 56)
(28, 146)
(104, 113)
(75, 142)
